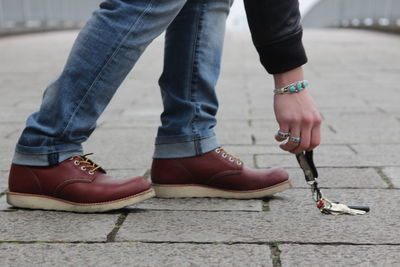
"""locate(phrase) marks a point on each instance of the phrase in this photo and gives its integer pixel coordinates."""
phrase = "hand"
(296, 114)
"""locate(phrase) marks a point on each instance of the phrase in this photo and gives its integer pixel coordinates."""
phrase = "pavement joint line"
(381, 110)
(265, 204)
(325, 144)
(330, 127)
(253, 139)
(255, 161)
(384, 177)
(341, 167)
(250, 211)
(121, 218)
(348, 188)
(352, 149)
(275, 255)
(268, 243)
(8, 136)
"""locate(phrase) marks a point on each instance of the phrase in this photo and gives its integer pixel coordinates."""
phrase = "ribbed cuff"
(284, 55)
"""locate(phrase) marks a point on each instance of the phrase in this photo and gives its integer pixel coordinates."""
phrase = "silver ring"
(295, 139)
(282, 134)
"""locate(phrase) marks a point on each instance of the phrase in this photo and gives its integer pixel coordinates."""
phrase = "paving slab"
(378, 154)
(3, 181)
(204, 204)
(335, 256)
(361, 131)
(277, 224)
(3, 203)
(126, 173)
(234, 132)
(393, 173)
(26, 225)
(324, 156)
(134, 254)
(340, 178)
(122, 148)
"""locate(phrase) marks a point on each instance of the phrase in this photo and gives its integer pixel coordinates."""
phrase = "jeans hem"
(43, 160)
(193, 148)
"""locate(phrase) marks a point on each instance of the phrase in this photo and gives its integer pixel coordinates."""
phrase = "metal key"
(326, 206)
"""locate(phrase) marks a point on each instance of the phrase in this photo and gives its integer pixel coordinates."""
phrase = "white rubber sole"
(30, 201)
(189, 190)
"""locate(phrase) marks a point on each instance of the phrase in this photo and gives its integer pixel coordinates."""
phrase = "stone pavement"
(354, 79)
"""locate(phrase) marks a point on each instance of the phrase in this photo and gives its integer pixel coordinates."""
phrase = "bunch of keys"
(326, 206)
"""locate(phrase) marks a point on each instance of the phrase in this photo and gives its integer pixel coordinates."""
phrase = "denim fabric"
(106, 50)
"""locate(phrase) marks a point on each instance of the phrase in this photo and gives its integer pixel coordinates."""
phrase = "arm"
(276, 32)
(296, 114)
(277, 35)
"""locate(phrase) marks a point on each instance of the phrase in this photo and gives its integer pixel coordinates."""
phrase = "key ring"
(326, 206)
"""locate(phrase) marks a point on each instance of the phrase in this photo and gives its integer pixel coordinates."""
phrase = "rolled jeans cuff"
(186, 149)
(49, 158)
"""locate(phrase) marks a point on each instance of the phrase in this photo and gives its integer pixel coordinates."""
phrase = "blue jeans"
(106, 50)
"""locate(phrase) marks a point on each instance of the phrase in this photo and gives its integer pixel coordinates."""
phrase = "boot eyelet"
(218, 150)
(91, 172)
(239, 163)
(231, 159)
(83, 168)
(224, 155)
(76, 163)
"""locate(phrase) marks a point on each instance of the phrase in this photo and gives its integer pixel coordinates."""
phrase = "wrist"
(289, 77)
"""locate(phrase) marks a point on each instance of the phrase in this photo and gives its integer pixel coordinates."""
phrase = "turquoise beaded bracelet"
(292, 88)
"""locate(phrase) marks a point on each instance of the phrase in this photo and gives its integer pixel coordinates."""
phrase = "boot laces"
(230, 157)
(90, 165)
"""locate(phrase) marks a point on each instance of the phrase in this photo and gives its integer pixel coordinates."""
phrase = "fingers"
(305, 140)
(315, 137)
(290, 145)
(283, 129)
(309, 131)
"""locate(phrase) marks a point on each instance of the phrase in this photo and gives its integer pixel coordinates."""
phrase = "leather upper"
(68, 181)
(212, 169)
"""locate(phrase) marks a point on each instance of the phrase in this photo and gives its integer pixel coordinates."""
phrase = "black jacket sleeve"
(277, 33)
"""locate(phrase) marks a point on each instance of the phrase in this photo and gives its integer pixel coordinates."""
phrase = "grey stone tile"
(333, 256)
(324, 156)
(122, 148)
(126, 173)
(378, 154)
(240, 150)
(3, 180)
(234, 134)
(340, 178)
(7, 151)
(276, 225)
(3, 204)
(365, 127)
(134, 254)
(393, 173)
(55, 226)
(204, 204)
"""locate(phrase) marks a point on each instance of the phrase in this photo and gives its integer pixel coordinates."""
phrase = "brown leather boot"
(214, 174)
(77, 184)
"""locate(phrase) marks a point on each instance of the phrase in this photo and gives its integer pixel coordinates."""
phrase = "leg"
(187, 161)
(193, 48)
(105, 51)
